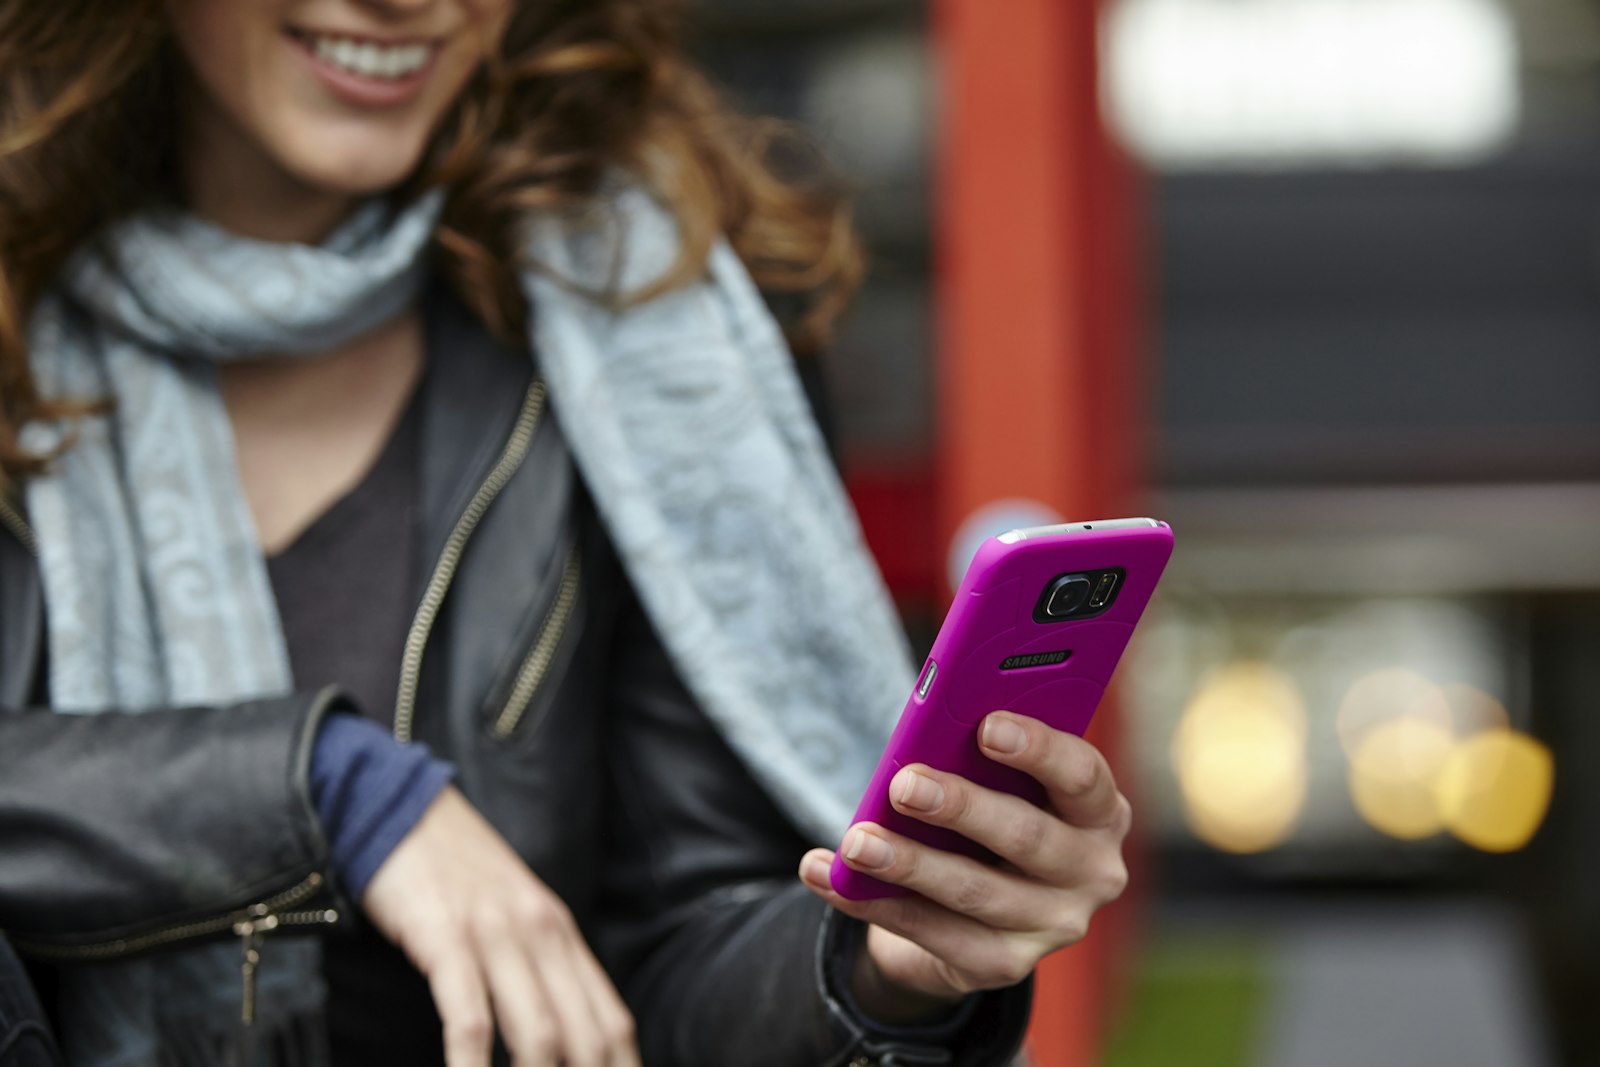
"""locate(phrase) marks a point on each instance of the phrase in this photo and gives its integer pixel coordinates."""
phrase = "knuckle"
(560, 914)
(1016, 972)
(586, 1049)
(1080, 772)
(620, 1032)
(965, 983)
(537, 1037)
(545, 1048)
(1029, 833)
(971, 892)
(544, 918)
(444, 923)
(1122, 816)
(1115, 882)
(1072, 926)
(902, 915)
(471, 1027)
(492, 924)
(527, 910)
(1011, 965)
(547, 927)
(430, 944)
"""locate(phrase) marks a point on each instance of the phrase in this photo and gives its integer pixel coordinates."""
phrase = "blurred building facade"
(1363, 708)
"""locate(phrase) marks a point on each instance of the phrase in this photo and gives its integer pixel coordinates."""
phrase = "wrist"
(889, 1000)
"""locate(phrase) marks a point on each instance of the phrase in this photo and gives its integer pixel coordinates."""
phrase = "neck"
(230, 181)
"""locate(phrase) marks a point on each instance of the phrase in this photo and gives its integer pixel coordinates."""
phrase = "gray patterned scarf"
(684, 415)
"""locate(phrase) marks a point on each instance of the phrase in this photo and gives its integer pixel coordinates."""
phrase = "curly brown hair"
(577, 89)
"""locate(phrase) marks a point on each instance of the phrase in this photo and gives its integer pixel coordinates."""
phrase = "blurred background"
(1317, 282)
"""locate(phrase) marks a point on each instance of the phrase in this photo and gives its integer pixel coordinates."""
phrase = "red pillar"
(1038, 387)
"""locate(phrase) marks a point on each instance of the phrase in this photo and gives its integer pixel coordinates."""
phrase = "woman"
(287, 496)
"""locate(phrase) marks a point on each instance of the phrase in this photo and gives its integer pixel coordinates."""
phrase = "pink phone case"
(994, 653)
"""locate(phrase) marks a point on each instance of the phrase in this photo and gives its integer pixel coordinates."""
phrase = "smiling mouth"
(367, 58)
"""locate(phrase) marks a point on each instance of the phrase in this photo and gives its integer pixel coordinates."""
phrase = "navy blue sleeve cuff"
(369, 791)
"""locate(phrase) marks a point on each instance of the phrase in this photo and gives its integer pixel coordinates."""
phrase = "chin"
(351, 169)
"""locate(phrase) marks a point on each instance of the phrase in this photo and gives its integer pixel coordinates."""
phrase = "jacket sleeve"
(723, 956)
(110, 825)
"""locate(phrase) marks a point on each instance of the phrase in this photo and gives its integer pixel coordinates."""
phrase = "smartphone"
(1037, 628)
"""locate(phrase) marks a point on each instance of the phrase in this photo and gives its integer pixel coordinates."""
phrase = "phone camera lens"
(1067, 596)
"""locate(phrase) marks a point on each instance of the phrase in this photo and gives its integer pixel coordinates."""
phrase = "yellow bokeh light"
(1384, 696)
(1472, 710)
(1240, 758)
(1394, 772)
(1495, 788)
(1424, 759)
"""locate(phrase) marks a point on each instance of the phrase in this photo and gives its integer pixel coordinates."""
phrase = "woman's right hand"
(498, 947)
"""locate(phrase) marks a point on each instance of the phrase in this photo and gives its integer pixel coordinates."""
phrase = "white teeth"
(370, 60)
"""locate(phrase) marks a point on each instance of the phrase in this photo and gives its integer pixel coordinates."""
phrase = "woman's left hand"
(974, 925)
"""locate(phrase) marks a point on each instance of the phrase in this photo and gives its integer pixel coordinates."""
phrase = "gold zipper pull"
(250, 932)
(252, 956)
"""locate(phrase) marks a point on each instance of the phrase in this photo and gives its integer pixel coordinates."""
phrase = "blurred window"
(1224, 84)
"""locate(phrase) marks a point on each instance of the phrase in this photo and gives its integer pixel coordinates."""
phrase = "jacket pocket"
(520, 699)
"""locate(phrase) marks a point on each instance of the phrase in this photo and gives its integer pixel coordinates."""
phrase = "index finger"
(462, 998)
(523, 1005)
(1075, 775)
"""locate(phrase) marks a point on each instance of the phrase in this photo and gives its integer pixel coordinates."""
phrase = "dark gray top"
(344, 585)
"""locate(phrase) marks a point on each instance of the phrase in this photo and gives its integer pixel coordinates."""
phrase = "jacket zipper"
(249, 924)
(537, 662)
(13, 521)
(511, 457)
(250, 932)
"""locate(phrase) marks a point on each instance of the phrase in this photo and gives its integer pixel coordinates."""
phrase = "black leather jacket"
(532, 668)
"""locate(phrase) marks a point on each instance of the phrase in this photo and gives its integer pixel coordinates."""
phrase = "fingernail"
(920, 792)
(815, 870)
(1003, 735)
(868, 850)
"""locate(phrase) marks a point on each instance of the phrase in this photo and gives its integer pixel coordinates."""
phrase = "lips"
(369, 59)
(367, 71)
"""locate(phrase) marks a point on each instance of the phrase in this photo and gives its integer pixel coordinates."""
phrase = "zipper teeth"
(126, 946)
(444, 570)
(532, 672)
(166, 935)
(294, 894)
(310, 917)
(18, 525)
